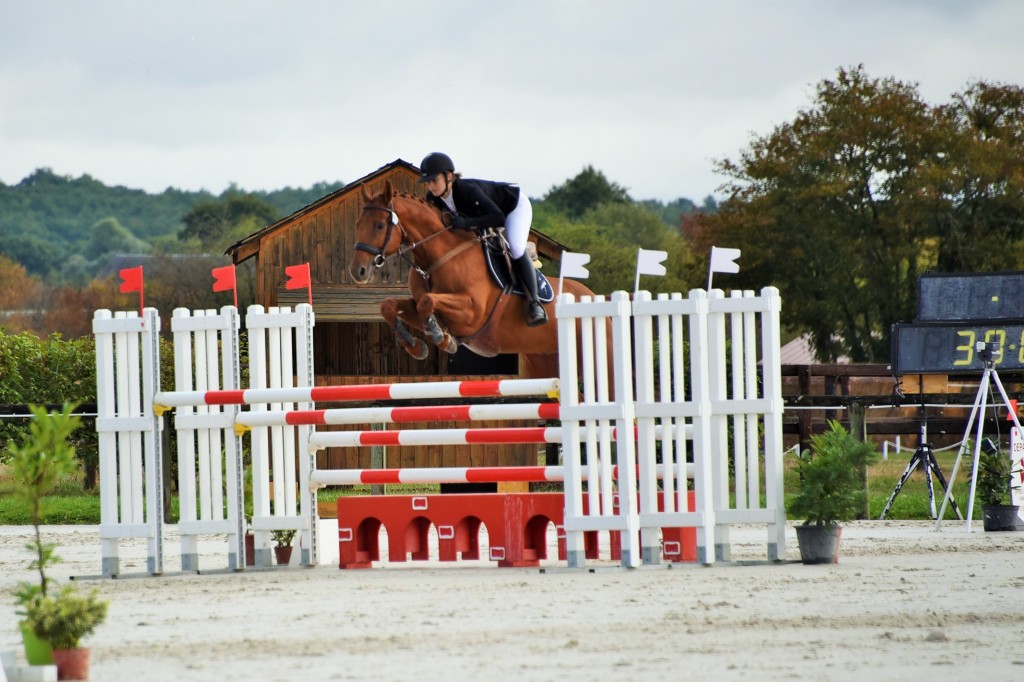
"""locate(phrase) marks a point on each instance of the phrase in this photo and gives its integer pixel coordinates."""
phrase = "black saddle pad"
(497, 265)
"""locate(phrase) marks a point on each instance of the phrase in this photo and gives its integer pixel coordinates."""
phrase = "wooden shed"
(351, 342)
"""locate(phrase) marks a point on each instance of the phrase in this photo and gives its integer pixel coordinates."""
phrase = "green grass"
(75, 506)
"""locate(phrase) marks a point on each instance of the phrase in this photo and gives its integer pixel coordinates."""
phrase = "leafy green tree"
(672, 212)
(980, 221)
(213, 222)
(845, 206)
(587, 190)
(38, 463)
(39, 256)
(611, 234)
(46, 218)
(108, 237)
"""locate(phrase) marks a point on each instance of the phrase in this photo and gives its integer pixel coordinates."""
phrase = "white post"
(571, 451)
(715, 358)
(703, 478)
(281, 357)
(209, 452)
(625, 406)
(131, 493)
(647, 446)
(771, 368)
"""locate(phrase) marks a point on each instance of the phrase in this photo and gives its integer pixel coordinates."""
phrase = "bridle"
(380, 258)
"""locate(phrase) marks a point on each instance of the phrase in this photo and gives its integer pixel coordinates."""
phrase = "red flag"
(131, 280)
(1013, 406)
(298, 278)
(224, 280)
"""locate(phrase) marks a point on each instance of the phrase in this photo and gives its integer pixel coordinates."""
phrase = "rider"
(480, 204)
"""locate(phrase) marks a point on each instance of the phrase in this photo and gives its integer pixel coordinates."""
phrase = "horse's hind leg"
(441, 338)
(425, 308)
(392, 311)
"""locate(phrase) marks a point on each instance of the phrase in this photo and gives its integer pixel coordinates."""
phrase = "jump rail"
(538, 474)
(329, 394)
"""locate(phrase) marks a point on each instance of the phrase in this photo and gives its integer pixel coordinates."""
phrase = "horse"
(453, 299)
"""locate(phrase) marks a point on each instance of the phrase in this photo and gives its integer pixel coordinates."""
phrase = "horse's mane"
(420, 200)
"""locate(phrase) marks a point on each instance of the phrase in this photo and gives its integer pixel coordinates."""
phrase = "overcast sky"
(198, 94)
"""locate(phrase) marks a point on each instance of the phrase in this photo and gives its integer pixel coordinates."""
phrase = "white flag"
(724, 260)
(573, 265)
(650, 262)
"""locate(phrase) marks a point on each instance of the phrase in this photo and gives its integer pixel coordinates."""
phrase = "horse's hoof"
(451, 346)
(419, 351)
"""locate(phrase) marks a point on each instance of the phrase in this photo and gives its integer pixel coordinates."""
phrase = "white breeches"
(517, 226)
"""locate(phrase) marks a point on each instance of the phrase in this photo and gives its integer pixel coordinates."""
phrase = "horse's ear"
(388, 192)
(365, 192)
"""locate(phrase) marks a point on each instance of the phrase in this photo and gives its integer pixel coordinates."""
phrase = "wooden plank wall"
(325, 238)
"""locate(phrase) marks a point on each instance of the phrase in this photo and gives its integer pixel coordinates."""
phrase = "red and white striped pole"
(327, 394)
(325, 477)
(399, 415)
(496, 436)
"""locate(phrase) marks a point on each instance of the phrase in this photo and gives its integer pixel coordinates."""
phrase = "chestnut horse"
(454, 299)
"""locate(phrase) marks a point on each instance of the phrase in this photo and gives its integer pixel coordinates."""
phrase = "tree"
(20, 295)
(212, 222)
(982, 224)
(587, 190)
(108, 237)
(39, 256)
(611, 234)
(844, 207)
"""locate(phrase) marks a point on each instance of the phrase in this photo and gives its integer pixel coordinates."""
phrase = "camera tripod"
(925, 458)
(978, 413)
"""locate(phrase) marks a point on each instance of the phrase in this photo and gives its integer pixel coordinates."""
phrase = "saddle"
(497, 258)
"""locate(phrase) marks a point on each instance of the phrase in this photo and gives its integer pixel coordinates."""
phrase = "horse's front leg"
(394, 311)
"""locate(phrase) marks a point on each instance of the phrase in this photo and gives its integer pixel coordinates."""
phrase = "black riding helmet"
(434, 164)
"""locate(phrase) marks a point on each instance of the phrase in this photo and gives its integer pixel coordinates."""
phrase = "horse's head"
(387, 220)
(377, 235)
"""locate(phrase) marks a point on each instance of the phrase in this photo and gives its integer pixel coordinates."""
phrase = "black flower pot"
(997, 517)
(818, 544)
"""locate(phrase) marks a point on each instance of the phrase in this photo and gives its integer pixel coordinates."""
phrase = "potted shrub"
(282, 545)
(49, 614)
(37, 465)
(831, 490)
(62, 619)
(995, 470)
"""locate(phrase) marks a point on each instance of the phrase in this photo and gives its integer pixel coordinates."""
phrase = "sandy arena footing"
(904, 603)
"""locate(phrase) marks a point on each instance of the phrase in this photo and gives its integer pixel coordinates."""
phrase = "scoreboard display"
(964, 321)
(949, 348)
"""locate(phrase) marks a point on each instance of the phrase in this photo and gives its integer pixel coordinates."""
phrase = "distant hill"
(47, 218)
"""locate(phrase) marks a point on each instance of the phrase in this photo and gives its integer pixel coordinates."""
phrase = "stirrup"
(535, 315)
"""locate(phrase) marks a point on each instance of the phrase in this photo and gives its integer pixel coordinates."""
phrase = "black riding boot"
(535, 313)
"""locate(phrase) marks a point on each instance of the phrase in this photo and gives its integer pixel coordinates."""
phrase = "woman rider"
(480, 204)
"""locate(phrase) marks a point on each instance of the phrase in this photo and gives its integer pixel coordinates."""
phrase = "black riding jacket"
(480, 204)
